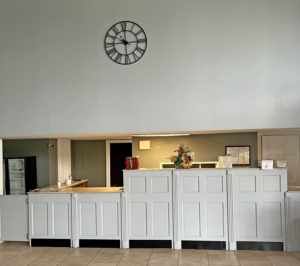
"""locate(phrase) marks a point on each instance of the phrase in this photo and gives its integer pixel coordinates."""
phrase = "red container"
(132, 162)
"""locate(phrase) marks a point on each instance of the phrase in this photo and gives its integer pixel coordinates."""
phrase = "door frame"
(272, 133)
(108, 142)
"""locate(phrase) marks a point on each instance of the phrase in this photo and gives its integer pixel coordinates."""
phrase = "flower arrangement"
(183, 159)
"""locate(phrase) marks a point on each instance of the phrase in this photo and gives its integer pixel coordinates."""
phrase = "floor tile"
(73, 263)
(66, 250)
(297, 254)
(102, 264)
(107, 257)
(33, 252)
(251, 256)
(133, 262)
(279, 253)
(13, 249)
(164, 258)
(113, 250)
(138, 261)
(193, 253)
(161, 264)
(53, 256)
(135, 253)
(43, 263)
(227, 259)
(201, 262)
(4, 256)
(283, 261)
(165, 251)
(86, 250)
(19, 261)
(255, 263)
(219, 252)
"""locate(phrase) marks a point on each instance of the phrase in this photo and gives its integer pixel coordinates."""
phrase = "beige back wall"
(206, 147)
(88, 161)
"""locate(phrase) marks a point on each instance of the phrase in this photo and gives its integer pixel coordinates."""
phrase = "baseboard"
(249, 245)
(97, 243)
(36, 242)
(213, 245)
(150, 243)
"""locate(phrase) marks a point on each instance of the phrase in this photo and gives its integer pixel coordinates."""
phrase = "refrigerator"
(19, 175)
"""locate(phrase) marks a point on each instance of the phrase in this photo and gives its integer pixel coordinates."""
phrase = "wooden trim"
(108, 142)
(144, 140)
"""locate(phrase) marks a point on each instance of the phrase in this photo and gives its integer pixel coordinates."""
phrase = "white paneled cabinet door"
(13, 218)
(284, 148)
(200, 200)
(258, 205)
(50, 216)
(148, 205)
(99, 216)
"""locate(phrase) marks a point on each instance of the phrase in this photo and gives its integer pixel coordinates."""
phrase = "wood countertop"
(63, 185)
(82, 190)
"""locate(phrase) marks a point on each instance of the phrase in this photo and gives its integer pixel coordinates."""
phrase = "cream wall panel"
(64, 159)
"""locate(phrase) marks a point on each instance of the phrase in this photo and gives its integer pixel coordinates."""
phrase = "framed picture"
(144, 145)
(240, 155)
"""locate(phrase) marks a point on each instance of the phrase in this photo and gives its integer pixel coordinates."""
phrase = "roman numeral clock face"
(125, 42)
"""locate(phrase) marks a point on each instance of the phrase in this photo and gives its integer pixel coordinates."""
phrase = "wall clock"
(125, 42)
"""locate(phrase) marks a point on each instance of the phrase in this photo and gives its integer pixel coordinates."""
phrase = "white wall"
(209, 65)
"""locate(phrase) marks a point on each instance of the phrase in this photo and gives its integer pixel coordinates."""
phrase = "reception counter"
(231, 209)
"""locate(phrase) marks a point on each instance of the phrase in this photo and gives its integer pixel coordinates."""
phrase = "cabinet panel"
(258, 214)
(214, 184)
(148, 205)
(110, 219)
(202, 205)
(99, 215)
(88, 218)
(137, 184)
(215, 219)
(138, 219)
(246, 183)
(160, 184)
(61, 219)
(247, 219)
(39, 219)
(160, 219)
(50, 216)
(191, 219)
(272, 219)
(190, 184)
(271, 183)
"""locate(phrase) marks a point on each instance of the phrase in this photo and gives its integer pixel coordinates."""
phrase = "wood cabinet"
(84, 184)
(257, 211)
(49, 216)
(149, 213)
(200, 203)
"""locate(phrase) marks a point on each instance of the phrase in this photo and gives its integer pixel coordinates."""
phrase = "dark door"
(118, 153)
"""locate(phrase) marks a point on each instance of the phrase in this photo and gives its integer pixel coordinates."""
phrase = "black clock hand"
(125, 42)
(120, 40)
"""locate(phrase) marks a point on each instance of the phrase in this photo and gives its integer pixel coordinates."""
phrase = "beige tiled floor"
(20, 254)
